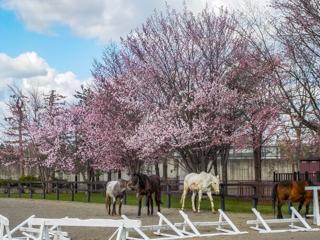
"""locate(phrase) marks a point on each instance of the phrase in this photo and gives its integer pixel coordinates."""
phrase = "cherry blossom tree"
(183, 77)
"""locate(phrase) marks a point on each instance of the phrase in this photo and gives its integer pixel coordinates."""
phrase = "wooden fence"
(244, 190)
(314, 177)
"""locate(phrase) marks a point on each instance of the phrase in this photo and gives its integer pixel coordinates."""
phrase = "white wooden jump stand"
(185, 229)
(315, 204)
(263, 225)
(50, 229)
(6, 233)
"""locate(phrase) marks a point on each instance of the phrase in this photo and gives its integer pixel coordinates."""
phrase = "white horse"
(115, 190)
(202, 182)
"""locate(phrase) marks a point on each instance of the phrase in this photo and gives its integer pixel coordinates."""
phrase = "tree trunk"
(298, 155)
(119, 174)
(21, 160)
(156, 166)
(224, 154)
(165, 169)
(109, 176)
(257, 162)
(215, 167)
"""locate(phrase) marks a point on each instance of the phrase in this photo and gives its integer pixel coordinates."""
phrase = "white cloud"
(101, 19)
(29, 71)
(25, 65)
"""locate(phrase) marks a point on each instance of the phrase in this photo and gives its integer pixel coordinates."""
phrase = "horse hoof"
(213, 211)
(198, 211)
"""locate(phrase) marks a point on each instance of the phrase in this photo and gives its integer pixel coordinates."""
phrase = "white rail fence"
(264, 225)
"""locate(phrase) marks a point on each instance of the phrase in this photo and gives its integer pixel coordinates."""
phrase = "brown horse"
(145, 186)
(293, 191)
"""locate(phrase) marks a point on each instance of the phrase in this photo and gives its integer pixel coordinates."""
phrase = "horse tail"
(274, 197)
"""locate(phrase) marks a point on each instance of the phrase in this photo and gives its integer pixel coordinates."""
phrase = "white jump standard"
(185, 229)
(315, 204)
(263, 225)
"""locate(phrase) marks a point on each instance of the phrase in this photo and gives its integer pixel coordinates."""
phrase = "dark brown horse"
(293, 191)
(145, 186)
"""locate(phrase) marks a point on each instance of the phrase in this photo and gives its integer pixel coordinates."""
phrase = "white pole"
(316, 214)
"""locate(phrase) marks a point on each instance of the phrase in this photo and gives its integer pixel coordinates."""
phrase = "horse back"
(155, 182)
(293, 190)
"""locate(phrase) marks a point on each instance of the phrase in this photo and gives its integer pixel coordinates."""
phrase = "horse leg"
(114, 202)
(183, 198)
(151, 204)
(193, 197)
(120, 205)
(307, 202)
(148, 203)
(279, 215)
(211, 201)
(199, 199)
(158, 199)
(109, 211)
(140, 204)
(301, 202)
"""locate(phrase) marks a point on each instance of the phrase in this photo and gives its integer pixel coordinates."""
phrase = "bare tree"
(16, 121)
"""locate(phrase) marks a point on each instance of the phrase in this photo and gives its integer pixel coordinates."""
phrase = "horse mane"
(141, 180)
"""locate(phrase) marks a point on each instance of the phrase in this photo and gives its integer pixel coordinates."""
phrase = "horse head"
(133, 182)
(123, 185)
(215, 183)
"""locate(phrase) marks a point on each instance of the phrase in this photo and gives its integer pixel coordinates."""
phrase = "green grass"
(231, 204)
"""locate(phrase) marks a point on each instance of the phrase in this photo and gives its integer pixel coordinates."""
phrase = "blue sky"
(62, 50)
(51, 44)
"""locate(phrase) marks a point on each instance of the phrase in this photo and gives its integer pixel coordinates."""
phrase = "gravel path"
(19, 209)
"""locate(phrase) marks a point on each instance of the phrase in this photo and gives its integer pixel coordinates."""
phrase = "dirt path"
(19, 209)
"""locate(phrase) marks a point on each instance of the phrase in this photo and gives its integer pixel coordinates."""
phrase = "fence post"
(168, 196)
(72, 192)
(20, 189)
(254, 197)
(274, 177)
(89, 192)
(306, 176)
(44, 190)
(8, 189)
(222, 198)
(57, 191)
(30, 190)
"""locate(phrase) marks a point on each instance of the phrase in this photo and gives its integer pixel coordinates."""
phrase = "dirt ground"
(19, 209)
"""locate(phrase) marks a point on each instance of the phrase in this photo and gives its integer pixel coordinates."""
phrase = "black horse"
(145, 186)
